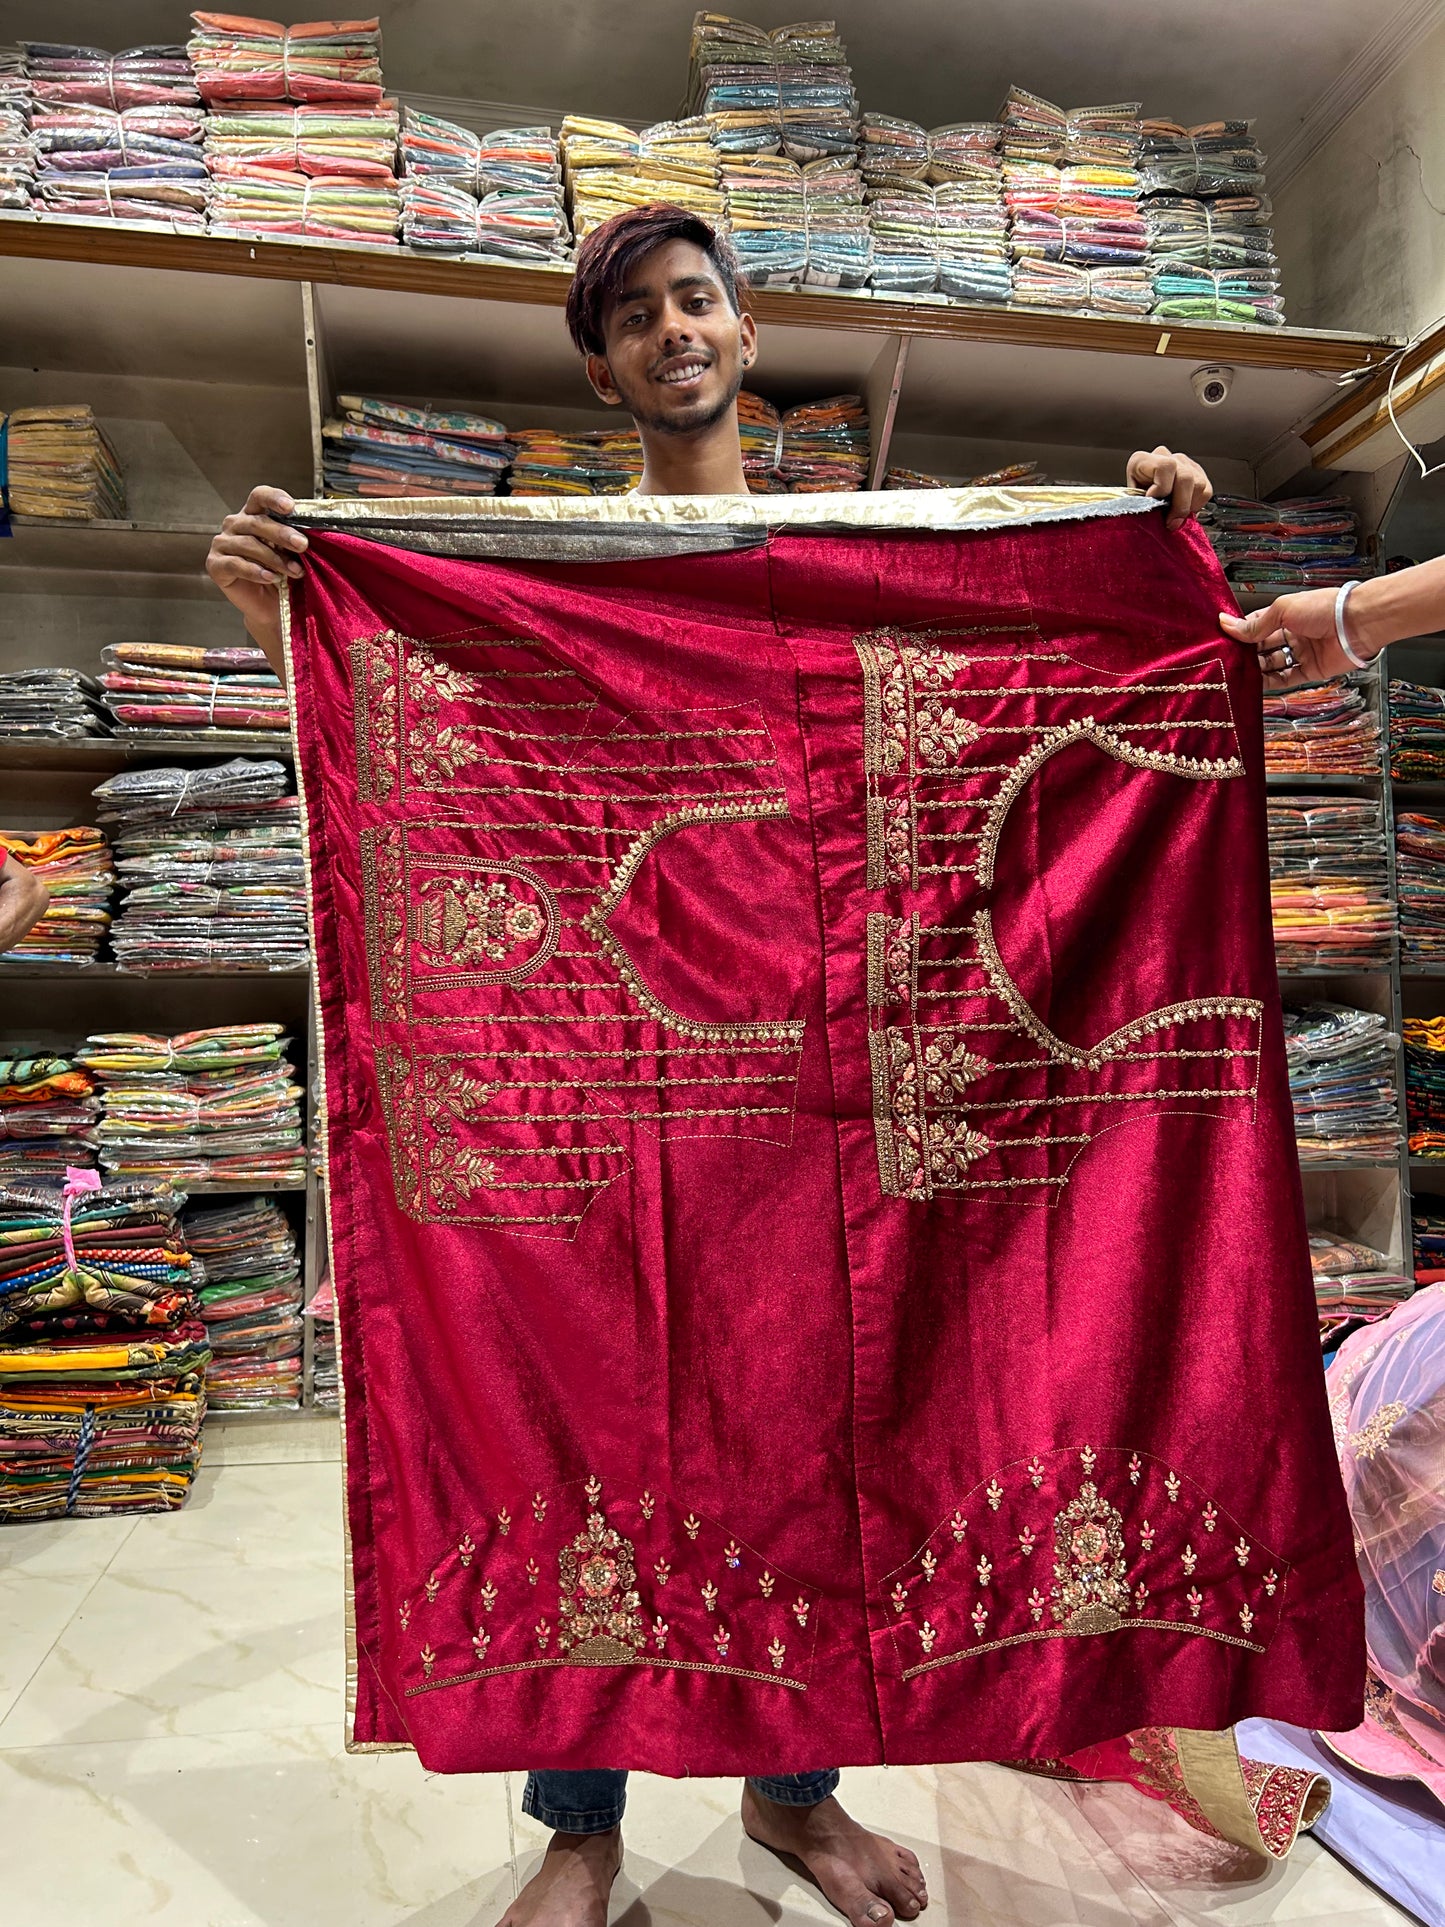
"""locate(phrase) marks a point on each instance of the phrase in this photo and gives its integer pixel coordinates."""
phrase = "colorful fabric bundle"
(164, 193)
(1068, 289)
(325, 1365)
(1109, 136)
(1329, 729)
(159, 689)
(1328, 883)
(338, 140)
(264, 200)
(1420, 883)
(1307, 541)
(48, 702)
(209, 1106)
(385, 448)
(760, 431)
(86, 76)
(496, 194)
(840, 250)
(1417, 732)
(895, 476)
(240, 58)
(972, 237)
(62, 465)
(1342, 1081)
(903, 224)
(1355, 1284)
(76, 867)
(599, 461)
(1231, 232)
(123, 1266)
(965, 150)
(1425, 1085)
(1184, 292)
(19, 150)
(1215, 158)
(1428, 1228)
(826, 446)
(250, 1304)
(210, 866)
(141, 163)
(48, 1112)
(766, 217)
(893, 152)
(788, 90)
(1030, 127)
(597, 157)
(609, 168)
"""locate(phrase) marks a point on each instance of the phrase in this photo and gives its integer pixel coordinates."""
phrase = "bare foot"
(866, 1877)
(571, 1886)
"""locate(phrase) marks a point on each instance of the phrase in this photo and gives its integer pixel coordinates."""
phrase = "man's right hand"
(250, 556)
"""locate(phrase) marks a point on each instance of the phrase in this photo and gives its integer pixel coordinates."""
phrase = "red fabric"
(909, 1464)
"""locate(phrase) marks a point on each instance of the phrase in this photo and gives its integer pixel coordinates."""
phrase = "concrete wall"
(1360, 229)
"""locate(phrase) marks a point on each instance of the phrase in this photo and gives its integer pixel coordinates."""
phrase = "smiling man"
(657, 309)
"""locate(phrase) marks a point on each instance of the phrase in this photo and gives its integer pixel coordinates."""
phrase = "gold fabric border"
(1213, 1777)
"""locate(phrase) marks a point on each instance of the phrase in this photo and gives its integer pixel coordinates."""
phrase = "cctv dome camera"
(1212, 385)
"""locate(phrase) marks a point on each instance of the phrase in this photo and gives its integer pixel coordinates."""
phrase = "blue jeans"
(593, 1802)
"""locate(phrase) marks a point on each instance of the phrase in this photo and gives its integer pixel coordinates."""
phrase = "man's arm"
(1410, 602)
(1172, 478)
(24, 900)
(251, 555)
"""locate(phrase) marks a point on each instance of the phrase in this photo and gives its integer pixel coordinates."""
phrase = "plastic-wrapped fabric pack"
(77, 868)
(597, 461)
(1425, 1085)
(263, 200)
(48, 1114)
(325, 1365)
(62, 465)
(1420, 885)
(788, 90)
(152, 76)
(1329, 885)
(767, 217)
(19, 152)
(137, 163)
(609, 168)
(217, 1106)
(250, 1304)
(826, 446)
(1355, 1284)
(497, 194)
(386, 448)
(48, 702)
(1214, 158)
(159, 689)
(131, 1269)
(1328, 729)
(338, 140)
(238, 57)
(211, 868)
(1067, 289)
(1209, 224)
(1303, 542)
(1417, 732)
(1342, 1081)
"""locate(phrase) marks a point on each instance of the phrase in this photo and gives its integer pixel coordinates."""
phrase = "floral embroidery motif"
(979, 1616)
(766, 1582)
(539, 1507)
(958, 1525)
(777, 1653)
(929, 1563)
(1091, 1589)
(404, 1614)
(1241, 1551)
(468, 925)
(1374, 1435)
(600, 1621)
(428, 1660)
(488, 1596)
(662, 1572)
(927, 1635)
(481, 1640)
(433, 1586)
(709, 1594)
(899, 1596)
(466, 1551)
(994, 1495)
(722, 1639)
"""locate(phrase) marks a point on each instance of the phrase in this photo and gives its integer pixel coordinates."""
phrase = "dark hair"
(609, 254)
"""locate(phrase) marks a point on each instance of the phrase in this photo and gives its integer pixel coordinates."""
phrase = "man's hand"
(24, 900)
(1171, 478)
(250, 557)
(1301, 625)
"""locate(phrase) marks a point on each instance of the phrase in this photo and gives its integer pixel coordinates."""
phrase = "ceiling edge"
(1375, 63)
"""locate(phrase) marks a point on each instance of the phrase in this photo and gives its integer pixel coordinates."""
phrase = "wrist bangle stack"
(1341, 599)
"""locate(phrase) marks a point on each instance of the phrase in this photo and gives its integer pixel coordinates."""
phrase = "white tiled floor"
(170, 1756)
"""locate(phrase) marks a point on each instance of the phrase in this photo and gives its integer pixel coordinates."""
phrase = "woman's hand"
(1294, 639)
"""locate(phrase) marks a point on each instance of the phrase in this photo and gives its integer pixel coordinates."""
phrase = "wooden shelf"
(102, 753)
(19, 970)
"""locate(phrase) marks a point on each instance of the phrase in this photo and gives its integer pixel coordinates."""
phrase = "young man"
(656, 308)
(24, 900)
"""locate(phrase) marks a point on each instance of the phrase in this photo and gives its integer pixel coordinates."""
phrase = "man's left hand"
(1171, 478)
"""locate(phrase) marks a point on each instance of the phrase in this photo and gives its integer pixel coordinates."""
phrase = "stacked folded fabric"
(597, 461)
(966, 150)
(130, 1268)
(1068, 289)
(892, 152)
(385, 448)
(826, 446)
(238, 57)
(166, 688)
(211, 864)
(1015, 475)
(1218, 157)
(19, 155)
(766, 216)
(1031, 128)
(975, 261)
(497, 194)
(945, 230)
(1354, 1284)
(250, 1304)
(1420, 883)
(325, 1365)
(48, 1114)
(597, 156)
(1185, 292)
(1308, 541)
(786, 91)
(903, 225)
(1425, 1085)
(340, 140)
(61, 464)
(48, 702)
(896, 476)
(1329, 888)
(840, 251)
(760, 431)
(1342, 1081)
(609, 168)
(261, 200)
(1209, 218)
(1417, 732)
(131, 164)
(87, 77)
(1330, 729)
(76, 867)
(1429, 1240)
(217, 1106)
(1231, 232)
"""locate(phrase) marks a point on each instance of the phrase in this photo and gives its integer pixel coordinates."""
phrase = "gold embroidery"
(600, 1621)
(777, 1653)
(1374, 1435)
(1090, 1591)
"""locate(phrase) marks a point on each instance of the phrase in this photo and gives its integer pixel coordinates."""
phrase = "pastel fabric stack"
(1420, 881)
(1417, 732)
(219, 1106)
(1300, 542)
(48, 1114)
(1069, 289)
(1329, 729)
(130, 1268)
(1031, 128)
(593, 462)
(385, 448)
(1231, 232)
(1329, 884)
(341, 141)
(62, 465)
(786, 90)
(19, 150)
(48, 702)
(1355, 1284)
(135, 163)
(250, 1304)
(892, 152)
(325, 1364)
(966, 150)
(160, 689)
(1186, 292)
(826, 446)
(238, 57)
(840, 248)
(903, 223)
(766, 216)
(1342, 1081)
(497, 194)
(1425, 1085)
(154, 76)
(210, 866)
(77, 868)
(597, 157)
(263, 200)
(1209, 224)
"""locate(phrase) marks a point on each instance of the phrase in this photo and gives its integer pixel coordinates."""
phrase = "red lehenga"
(816, 1224)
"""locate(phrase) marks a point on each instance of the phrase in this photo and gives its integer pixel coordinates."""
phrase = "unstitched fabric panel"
(816, 1222)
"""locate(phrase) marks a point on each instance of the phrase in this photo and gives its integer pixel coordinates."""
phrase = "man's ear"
(748, 335)
(600, 376)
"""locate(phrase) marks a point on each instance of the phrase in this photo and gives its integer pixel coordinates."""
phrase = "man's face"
(676, 351)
